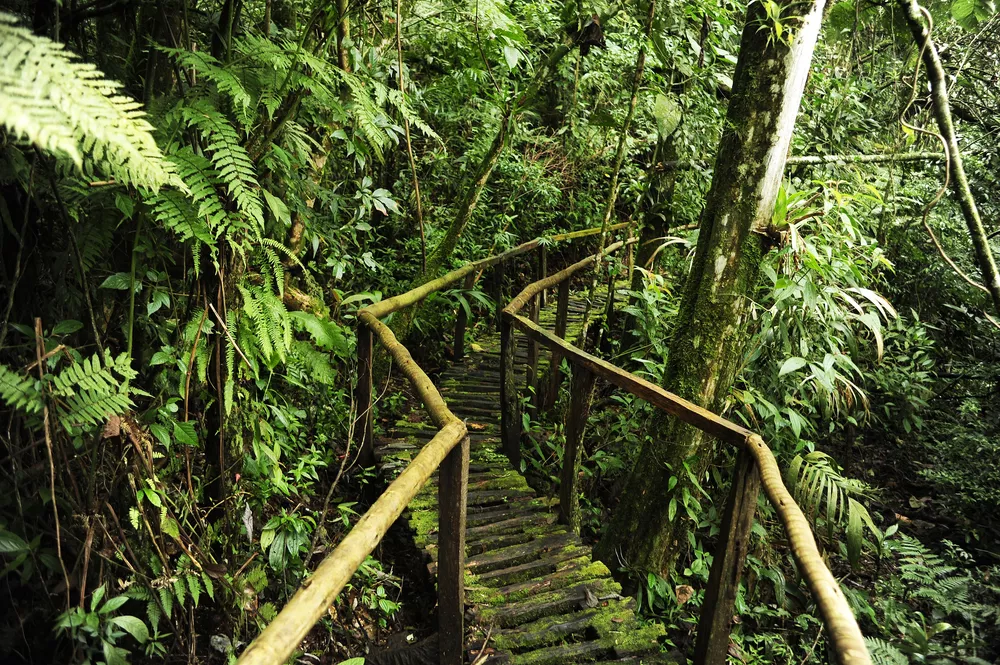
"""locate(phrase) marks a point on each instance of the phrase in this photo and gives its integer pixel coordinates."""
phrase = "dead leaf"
(112, 428)
(684, 593)
(475, 426)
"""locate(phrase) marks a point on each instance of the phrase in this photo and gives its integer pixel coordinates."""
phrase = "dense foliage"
(197, 198)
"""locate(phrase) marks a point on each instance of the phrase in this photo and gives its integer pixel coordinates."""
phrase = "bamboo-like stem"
(406, 132)
(956, 169)
(47, 426)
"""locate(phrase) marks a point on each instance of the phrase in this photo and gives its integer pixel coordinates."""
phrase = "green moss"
(590, 571)
(534, 607)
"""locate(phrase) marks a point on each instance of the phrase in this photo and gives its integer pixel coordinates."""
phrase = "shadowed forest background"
(196, 198)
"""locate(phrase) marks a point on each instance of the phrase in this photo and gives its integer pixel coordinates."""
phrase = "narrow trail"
(531, 585)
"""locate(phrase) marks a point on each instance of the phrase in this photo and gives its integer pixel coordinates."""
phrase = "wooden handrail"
(838, 618)
(283, 635)
(448, 450)
(385, 307)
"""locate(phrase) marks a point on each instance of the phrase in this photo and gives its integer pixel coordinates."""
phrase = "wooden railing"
(755, 466)
(447, 451)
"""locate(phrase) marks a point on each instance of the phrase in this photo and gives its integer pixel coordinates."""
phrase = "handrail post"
(555, 375)
(543, 271)
(531, 370)
(453, 486)
(576, 424)
(510, 405)
(496, 290)
(724, 578)
(462, 320)
(363, 429)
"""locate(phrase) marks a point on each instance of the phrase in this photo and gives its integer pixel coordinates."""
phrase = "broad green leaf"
(792, 364)
(667, 112)
(113, 604)
(185, 433)
(854, 525)
(133, 625)
(278, 208)
(169, 526)
(266, 538)
(118, 281)
(10, 543)
(67, 327)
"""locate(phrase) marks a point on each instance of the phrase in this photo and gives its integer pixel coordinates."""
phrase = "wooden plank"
(363, 426)
(462, 320)
(555, 375)
(576, 423)
(452, 492)
(510, 404)
(283, 635)
(690, 413)
(716, 618)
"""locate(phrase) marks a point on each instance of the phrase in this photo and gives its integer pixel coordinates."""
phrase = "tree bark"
(956, 169)
(649, 526)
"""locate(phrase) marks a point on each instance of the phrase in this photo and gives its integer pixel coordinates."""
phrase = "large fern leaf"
(67, 107)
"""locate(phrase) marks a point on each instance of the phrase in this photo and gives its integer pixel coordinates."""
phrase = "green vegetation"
(196, 200)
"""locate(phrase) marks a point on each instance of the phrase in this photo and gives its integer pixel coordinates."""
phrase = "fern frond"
(67, 107)
(211, 69)
(19, 392)
(236, 169)
(883, 653)
(315, 364)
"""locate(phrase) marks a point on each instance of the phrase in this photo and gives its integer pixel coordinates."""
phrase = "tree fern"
(67, 107)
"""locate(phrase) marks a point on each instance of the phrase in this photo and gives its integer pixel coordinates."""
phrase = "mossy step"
(458, 399)
(523, 509)
(601, 621)
(561, 601)
(567, 573)
(487, 532)
(531, 567)
(485, 545)
(465, 387)
(516, 555)
(623, 645)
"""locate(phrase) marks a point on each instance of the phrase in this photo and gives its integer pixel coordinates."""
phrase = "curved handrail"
(837, 615)
(279, 639)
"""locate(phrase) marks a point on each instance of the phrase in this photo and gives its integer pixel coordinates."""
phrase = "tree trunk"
(956, 170)
(649, 526)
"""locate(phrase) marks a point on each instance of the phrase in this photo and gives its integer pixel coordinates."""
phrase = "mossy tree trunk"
(649, 526)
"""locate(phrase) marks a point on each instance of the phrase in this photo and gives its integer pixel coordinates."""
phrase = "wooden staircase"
(535, 594)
